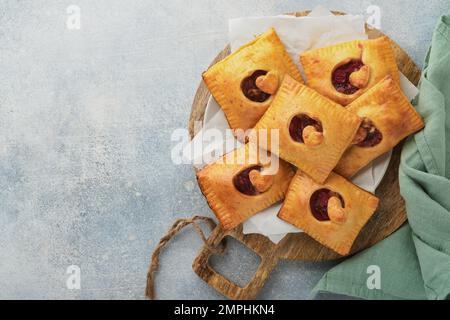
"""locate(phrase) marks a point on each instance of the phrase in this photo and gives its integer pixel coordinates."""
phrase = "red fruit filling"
(299, 123)
(250, 90)
(373, 135)
(242, 181)
(319, 203)
(341, 76)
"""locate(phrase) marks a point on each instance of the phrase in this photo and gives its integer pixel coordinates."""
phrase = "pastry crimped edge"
(220, 94)
(219, 200)
(324, 84)
(386, 91)
(288, 90)
(290, 208)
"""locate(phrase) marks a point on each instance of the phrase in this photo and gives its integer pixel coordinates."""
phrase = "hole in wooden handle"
(237, 263)
(230, 289)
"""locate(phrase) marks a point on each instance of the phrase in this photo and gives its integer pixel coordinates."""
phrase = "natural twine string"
(176, 227)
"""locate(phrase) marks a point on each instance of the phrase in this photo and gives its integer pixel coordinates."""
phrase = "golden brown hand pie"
(242, 183)
(388, 117)
(344, 71)
(313, 132)
(244, 83)
(333, 213)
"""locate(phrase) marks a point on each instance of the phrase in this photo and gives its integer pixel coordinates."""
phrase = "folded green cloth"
(414, 262)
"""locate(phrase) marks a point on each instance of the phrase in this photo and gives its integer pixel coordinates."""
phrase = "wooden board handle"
(264, 248)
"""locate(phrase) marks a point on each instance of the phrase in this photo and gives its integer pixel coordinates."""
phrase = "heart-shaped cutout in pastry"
(341, 76)
(360, 78)
(251, 90)
(261, 182)
(323, 210)
(367, 135)
(335, 210)
(268, 83)
(305, 129)
(311, 136)
(360, 135)
(242, 183)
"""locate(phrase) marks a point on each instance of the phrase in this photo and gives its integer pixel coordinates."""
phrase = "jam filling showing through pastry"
(250, 89)
(252, 182)
(341, 77)
(305, 129)
(367, 135)
(325, 203)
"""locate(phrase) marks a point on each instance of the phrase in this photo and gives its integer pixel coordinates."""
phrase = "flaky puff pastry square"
(388, 118)
(344, 71)
(333, 213)
(306, 129)
(245, 82)
(244, 182)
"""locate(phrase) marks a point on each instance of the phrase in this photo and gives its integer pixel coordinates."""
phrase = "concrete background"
(86, 118)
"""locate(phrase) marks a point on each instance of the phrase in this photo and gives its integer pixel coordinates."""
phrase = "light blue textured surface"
(86, 117)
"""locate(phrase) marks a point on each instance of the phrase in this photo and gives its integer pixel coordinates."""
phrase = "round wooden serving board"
(390, 215)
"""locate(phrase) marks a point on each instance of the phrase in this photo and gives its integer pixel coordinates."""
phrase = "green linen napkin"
(414, 262)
